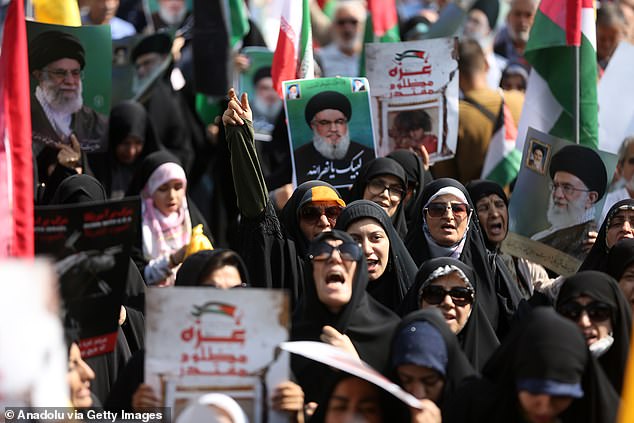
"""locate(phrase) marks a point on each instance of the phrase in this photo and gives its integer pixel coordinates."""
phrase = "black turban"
(491, 8)
(160, 43)
(263, 72)
(50, 46)
(327, 100)
(584, 163)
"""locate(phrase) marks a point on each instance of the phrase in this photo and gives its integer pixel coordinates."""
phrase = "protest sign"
(415, 96)
(557, 200)
(46, 46)
(330, 128)
(202, 340)
(91, 243)
(256, 81)
(33, 356)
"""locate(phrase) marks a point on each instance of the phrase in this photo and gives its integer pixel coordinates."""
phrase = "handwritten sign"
(415, 96)
(330, 128)
(547, 224)
(202, 340)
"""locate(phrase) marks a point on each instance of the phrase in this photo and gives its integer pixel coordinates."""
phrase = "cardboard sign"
(330, 129)
(94, 80)
(91, 243)
(415, 96)
(201, 340)
(551, 210)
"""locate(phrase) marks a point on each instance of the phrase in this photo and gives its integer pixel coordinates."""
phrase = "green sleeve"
(247, 174)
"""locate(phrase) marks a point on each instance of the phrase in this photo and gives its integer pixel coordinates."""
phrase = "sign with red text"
(415, 96)
(201, 340)
(91, 243)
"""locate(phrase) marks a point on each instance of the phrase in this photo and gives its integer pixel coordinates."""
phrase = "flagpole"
(577, 93)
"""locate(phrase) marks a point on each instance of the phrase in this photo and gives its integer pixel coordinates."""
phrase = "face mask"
(601, 346)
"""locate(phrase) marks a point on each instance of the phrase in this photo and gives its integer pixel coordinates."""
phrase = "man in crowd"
(511, 40)
(266, 104)
(579, 180)
(625, 173)
(171, 14)
(56, 62)
(102, 12)
(328, 114)
(341, 57)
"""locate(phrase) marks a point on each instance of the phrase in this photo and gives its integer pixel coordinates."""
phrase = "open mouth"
(448, 227)
(495, 228)
(449, 317)
(334, 277)
(591, 337)
(372, 265)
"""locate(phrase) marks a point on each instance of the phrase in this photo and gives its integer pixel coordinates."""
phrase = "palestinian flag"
(503, 160)
(381, 26)
(16, 158)
(559, 26)
(293, 57)
(237, 21)
(214, 307)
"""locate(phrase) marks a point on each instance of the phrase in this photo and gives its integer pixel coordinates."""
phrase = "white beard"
(172, 19)
(332, 151)
(518, 36)
(575, 214)
(264, 111)
(56, 100)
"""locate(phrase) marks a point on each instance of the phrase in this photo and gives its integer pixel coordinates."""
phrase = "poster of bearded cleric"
(256, 81)
(70, 84)
(563, 185)
(330, 128)
(415, 96)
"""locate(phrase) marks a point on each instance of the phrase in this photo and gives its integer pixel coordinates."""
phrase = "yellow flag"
(59, 12)
(626, 410)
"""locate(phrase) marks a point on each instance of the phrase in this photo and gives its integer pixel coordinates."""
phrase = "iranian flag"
(293, 57)
(503, 160)
(559, 26)
(16, 166)
(381, 26)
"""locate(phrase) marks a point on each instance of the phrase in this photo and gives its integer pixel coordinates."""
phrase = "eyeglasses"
(567, 189)
(61, 74)
(435, 294)
(459, 210)
(377, 187)
(338, 122)
(312, 214)
(597, 311)
(348, 251)
(342, 22)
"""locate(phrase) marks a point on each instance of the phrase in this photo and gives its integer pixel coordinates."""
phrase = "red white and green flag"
(559, 26)
(293, 57)
(381, 26)
(503, 160)
(237, 21)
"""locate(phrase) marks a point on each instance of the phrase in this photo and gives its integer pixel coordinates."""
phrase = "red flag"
(384, 16)
(16, 165)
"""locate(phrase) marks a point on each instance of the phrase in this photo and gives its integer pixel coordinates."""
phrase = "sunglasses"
(378, 187)
(312, 214)
(597, 311)
(459, 210)
(435, 294)
(348, 251)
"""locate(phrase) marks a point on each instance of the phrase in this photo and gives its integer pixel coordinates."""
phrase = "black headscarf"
(620, 257)
(79, 189)
(197, 266)
(416, 175)
(499, 294)
(390, 288)
(289, 215)
(545, 346)
(457, 368)
(477, 339)
(481, 188)
(363, 319)
(597, 258)
(602, 287)
(377, 167)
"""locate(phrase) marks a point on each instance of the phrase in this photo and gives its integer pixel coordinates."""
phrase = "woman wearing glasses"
(446, 226)
(595, 303)
(383, 182)
(391, 270)
(336, 309)
(447, 284)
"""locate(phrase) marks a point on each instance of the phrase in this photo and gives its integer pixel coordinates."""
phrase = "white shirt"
(336, 63)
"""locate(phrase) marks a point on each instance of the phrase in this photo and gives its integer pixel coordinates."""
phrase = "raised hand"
(238, 109)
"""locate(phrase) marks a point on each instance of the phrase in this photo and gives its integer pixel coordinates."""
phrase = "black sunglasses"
(311, 214)
(435, 294)
(349, 251)
(459, 210)
(597, 311)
